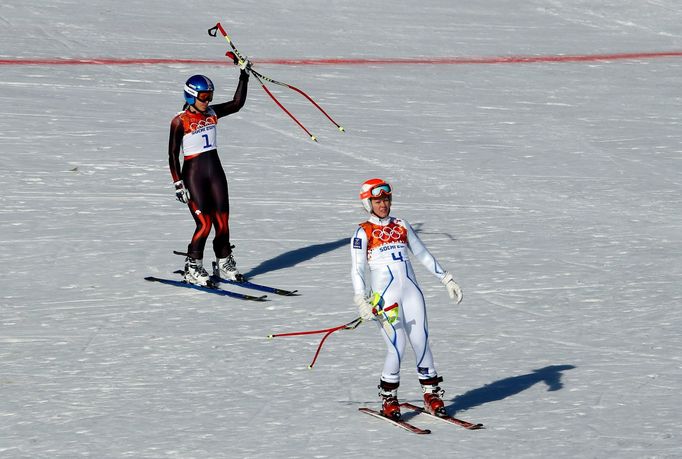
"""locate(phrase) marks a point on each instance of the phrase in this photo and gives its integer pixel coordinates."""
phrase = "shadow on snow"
(508, 387)
(294, 257)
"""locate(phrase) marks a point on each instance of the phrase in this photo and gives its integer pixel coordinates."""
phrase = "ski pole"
(339, 127)
(214, 32)
(350, 325)
(260, 77)
(383, 319)
(327, 331)
(279, 104)
(355, 323)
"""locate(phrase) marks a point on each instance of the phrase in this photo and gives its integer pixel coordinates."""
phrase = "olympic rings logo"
(201, 124)
(388, 233)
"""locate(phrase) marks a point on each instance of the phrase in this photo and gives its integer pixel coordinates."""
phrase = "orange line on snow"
(350, 61)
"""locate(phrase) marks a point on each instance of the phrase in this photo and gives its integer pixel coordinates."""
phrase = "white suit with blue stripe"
(380, 263)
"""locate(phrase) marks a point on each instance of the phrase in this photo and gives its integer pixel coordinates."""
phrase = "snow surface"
(550, 190)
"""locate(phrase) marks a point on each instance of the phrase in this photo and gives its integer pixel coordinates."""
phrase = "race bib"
(202, 139)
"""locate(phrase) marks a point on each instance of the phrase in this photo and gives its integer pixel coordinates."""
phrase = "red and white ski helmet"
(373, 188)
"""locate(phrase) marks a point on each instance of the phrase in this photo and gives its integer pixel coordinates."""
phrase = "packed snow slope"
(551, 190)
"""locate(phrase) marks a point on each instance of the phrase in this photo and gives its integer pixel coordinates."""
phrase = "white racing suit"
(381, 245)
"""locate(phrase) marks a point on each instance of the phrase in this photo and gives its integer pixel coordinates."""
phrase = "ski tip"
(342, 129)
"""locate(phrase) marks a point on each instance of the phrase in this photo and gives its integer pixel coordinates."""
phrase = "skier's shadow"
(508, 387)
(294, 257)
(417, 227)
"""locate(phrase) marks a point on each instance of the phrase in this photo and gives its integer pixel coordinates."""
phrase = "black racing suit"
(203, 176)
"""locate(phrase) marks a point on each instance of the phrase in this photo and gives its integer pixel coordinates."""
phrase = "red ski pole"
(327, 331)
(213, 31)
(301, 92)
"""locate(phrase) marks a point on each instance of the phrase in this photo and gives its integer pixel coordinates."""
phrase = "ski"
(214, 290)
(260, 287)
(396, 422)
(445, 418)
(251, 285)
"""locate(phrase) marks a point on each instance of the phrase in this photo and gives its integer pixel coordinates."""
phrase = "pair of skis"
(216, 290)
(214, 286)
(418, 409)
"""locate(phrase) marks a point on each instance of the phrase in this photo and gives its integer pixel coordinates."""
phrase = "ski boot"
(227, 269)
(390, 406)
(433, 402)
(195, 272)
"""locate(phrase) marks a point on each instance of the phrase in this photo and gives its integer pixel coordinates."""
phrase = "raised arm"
(238, 101)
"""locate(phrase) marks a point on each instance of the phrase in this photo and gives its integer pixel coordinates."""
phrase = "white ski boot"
(227, 269)
(195, 272)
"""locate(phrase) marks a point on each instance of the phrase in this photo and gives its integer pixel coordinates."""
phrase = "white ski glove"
(364, 307)
(245, 64)
(454, 290)
(181, 192)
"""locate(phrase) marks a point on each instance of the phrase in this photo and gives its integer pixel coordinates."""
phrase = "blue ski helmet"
(195, 85)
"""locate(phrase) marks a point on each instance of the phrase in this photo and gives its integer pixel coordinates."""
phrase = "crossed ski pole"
(213, 31)
(380, 314)
(353, 324)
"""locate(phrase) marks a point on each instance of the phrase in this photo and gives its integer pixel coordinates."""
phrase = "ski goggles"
(206, 96)
(377, 191)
